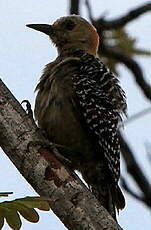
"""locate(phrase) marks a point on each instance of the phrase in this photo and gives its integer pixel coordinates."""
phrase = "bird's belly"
(64, 128)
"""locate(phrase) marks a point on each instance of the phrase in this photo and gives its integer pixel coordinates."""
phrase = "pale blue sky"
(24, 53)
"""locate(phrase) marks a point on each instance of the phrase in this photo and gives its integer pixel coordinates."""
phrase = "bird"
(80, 105)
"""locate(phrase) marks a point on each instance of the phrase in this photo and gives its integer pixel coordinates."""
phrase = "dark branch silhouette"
(131, 65)
(74, 6)
(135, 171)
(123, 20)
(129, 190)
(89, 10)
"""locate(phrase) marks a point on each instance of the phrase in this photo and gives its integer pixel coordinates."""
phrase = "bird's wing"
(101, 102)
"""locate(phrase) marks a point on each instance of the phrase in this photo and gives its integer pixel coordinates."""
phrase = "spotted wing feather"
(102, 101)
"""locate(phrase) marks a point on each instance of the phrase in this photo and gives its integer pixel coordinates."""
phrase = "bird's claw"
(55, 148)
(28, 108)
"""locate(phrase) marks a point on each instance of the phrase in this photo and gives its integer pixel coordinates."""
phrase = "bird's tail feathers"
(118, 198)
(111, 198)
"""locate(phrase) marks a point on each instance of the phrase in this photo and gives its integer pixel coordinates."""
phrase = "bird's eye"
(70, 25)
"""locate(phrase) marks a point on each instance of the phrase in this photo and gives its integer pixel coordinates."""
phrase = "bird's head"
(71, 33)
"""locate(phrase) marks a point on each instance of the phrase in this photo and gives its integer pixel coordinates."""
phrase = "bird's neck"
(73, 52)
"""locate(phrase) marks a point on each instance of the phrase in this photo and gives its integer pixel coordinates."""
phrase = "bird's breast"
(59, 116)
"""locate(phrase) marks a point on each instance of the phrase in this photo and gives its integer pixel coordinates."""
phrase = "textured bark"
(68, 197)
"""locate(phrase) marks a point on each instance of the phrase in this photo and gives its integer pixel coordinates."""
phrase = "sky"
(24, 53)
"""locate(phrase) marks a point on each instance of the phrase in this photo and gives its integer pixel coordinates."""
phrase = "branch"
(135, 171)
(131, 65)
(137, 116)
(129, 190)
(122, 21)
(69, 199)
(148, 151)
(74, 7)
(89, 10)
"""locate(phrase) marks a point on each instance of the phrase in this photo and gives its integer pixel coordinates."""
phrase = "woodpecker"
(80, 104)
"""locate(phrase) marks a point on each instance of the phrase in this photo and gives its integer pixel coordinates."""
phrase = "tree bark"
(68, 197)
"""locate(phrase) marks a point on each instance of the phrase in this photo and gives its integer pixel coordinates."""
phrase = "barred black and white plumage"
(102, 102)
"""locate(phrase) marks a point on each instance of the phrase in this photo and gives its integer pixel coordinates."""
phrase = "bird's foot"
(55, 148)
(58, 150)
(28, 108)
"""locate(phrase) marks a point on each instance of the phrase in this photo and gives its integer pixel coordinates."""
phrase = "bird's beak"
(45, 28)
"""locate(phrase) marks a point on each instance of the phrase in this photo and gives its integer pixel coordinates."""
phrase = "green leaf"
(10, 210)
(28, 213)
(1, 220)
(11, 216)
(35, 202)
